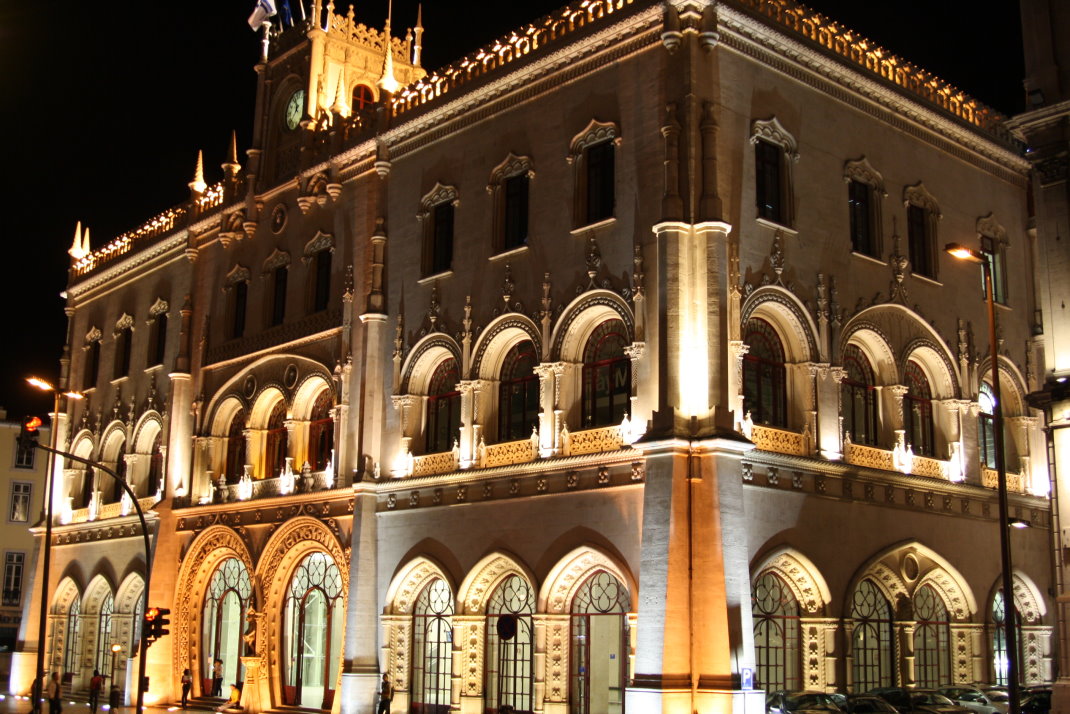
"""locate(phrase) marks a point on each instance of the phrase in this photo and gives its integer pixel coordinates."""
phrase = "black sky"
(103, 107)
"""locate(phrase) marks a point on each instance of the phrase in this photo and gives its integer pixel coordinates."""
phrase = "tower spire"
(340, 105)
(86, 250)
(76, 251)
(231, 166)
(387, 82)
(197, 185)
(418, 46)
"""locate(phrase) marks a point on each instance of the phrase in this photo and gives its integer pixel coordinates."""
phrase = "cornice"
(1039, 118)
(135, 259)
(745, 35)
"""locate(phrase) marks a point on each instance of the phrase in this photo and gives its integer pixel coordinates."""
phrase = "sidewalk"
(10, 704)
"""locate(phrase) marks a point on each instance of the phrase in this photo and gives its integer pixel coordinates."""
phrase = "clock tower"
(324, 66)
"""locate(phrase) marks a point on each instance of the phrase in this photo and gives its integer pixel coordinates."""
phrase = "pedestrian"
(187, 684)
(217, 678)
(95, 685)
(386, 695)
(55, 695)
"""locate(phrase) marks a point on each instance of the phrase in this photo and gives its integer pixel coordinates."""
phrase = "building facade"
(617, 366)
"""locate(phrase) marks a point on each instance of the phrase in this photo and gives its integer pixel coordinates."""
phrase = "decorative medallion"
(289, 377)
(278, 218)
(249, 388)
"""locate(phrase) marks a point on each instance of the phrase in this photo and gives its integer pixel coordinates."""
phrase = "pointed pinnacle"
(86, 250)
(197, 185)
(232, 154)
(76, 245)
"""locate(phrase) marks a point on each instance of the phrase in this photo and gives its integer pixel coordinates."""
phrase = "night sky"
(103, 107)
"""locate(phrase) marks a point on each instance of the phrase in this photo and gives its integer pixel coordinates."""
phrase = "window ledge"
(435, 276)
(926, 279)
(154, 368)
(788, 230)
(1006, 307)
(519, 250)
(604, 223)
(119, 380)
(868, 258)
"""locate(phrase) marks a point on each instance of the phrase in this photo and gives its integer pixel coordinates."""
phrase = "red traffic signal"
(31, 424)
(28, 433)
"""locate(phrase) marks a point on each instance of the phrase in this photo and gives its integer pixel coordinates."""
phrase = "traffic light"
(28, 433)
(150, 623)
(156, 623)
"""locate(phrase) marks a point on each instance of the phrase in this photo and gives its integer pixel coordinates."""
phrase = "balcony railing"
(990, 479)
(592, 441)
(441, 463)
(780, 441)
(111, 510)
(509, 453)
(869, 456)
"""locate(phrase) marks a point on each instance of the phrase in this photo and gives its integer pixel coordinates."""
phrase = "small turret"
(77, 252)
(197, 185)
(231, 167)
(341, 105)
(388, 83)
(418, 47)
(86, 250)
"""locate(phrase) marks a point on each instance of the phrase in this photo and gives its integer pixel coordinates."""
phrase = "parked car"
(997, 697)
(866, 704)
(1036, 701)
(919, 701)
(972, 698)
(781, 702)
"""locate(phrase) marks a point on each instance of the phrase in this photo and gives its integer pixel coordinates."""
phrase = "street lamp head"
(1019, 523)
(961, 252)
(41, 384)
(116, 648)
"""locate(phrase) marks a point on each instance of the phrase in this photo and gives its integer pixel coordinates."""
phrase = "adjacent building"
(616, 366)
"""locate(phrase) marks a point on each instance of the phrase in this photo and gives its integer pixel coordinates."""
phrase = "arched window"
(320, 289)
(518, 393)
(124, 339)
(510, 644)
(859, 397)
(157, 340)
(223, 619)
(986, 426)
(120, 471)
(932, 635)
(155, 477)
(235, 465)
(92, 364)
(73, 644)
(312, 632)
(872, 641)
(918, 411)
(764, 383)
(443, 407)
(236, 308)
(321, 432)
(432, 649)
(276, 441)
(104, 656)
(599, 659)
(89, 480)
(776, 634)
(362, 97)
(607, 375)
(999, 640)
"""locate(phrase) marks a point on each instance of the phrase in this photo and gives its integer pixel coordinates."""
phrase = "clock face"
(295, 108)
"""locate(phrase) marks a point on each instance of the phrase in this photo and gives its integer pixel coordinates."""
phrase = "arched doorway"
(225, 604)
(599, 659)
(510, 646)
(312, 632)
(432, 649)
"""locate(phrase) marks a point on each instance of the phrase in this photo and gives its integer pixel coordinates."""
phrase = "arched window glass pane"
(918, 411)
(104, 640)
(764, 383)
(932, 634)
(276, 444)
(607, 375)
(599, 634)
(321, 431)
(986, 426)
(236, 448)
(444, 407)
(312, 630)
(859, 397)
(999, 639)
(155, 476)
(223, 615)
(509, 657)
(74, 638)
(776, 633)
(872, 644)
(432, 649)
(518, 393)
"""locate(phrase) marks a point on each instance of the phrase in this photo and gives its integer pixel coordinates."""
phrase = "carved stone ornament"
(918, 195)
(513, 165)
(321, 241)
(989, 226)
(125, 322)
(94, 335)
(277, 259)
(159, 307)
(863, 172)
(237, 274)
(773, 131)
(594, 133)
(439, 194)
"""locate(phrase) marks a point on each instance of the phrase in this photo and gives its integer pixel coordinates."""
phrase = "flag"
(263, 10)
(287, 16)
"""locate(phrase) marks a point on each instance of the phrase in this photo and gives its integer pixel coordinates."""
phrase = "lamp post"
(39, 679)
(1010, 639)
(115, 650)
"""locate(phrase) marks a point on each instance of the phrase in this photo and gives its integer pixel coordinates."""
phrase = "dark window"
(863, 236)
(873, 644)
(932, 634)
(516, 212)
(155, 480)
(321, 432)
(993, 253)
(764, 386)
(276, 443)
(92, 365)
(518, 393)
(432, 649)
(236, 448)
(239, 298)
(21, 494)
(23, 455)
(769, 190)
(278, 295)
(13, 566)
(362, 97)
(440, 248)
(607, 376)
(776, 634)
(443, 408)
(859, 397)
(120, 470)
(157, 339)
(986, 426)
(918, 411)
(321, 287)
(89, 478)
(123, 346)
(920, 239)
(600, 181)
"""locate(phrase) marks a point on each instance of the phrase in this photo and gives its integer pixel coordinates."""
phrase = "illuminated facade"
(617, 366)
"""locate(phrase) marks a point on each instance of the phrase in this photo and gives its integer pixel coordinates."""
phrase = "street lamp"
(39, 680)
(1009, 635)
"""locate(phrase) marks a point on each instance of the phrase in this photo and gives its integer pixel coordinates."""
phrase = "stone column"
(396, 658)
(737, 349)
(374, 418)
(361, 676)
(468, 663)
(547, 433)
(175, 481)
(256, 692)
(552, 649)
(819, 653)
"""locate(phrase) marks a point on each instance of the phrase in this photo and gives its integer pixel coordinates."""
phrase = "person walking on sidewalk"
(187, 684)
(95, 685)
(55, 695)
